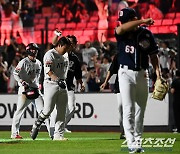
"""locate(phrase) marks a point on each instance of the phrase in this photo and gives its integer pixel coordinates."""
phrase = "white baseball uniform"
(54, 95)
(28, 71)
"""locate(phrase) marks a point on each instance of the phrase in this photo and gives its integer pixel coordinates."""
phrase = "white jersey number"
(129, 49)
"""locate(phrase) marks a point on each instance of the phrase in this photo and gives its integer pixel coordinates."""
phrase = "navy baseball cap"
(126, 14)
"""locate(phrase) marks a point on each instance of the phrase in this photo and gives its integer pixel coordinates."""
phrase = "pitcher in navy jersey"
(136, 45)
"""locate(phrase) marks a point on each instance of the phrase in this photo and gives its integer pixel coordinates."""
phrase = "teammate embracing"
(136, 45)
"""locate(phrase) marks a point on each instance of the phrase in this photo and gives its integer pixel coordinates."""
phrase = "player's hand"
(82, 88)
(25, 84)
(57, 32)
(148, 21)
(102, 86)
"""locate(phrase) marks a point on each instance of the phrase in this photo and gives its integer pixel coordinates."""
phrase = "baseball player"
(56, 65)
(114, 70)
(136, 45)
(74, 71)
(27, 74)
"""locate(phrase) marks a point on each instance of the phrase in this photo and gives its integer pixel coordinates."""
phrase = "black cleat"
(122, 136)
(34, 133)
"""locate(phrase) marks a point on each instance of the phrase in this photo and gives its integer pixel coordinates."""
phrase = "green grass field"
(82, 143)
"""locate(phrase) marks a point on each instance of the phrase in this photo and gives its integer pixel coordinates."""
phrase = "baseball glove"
(160, 89)
(31, 93)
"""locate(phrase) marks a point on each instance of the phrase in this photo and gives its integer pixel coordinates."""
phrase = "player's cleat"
(140, 150)
(16, 137)
(34, 132)
(60, 138)
(67, 131)
(132, 150)
(122, 136)
(36, 127)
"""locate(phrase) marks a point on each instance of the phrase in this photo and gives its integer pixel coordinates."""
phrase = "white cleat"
(60, 138)
(67, 131)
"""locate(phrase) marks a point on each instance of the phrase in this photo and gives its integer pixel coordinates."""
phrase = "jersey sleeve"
(153, 49)
(40, 69)
(18, 70)
(48, 61)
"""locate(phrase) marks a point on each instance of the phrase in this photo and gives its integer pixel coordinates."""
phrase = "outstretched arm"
(128, 26)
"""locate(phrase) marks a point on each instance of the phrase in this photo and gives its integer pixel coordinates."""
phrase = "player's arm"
(155, 62)
(128, 26)
(17, 72)
(57, 34)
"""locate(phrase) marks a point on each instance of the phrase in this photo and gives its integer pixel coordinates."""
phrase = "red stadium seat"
(170, 15)
(47, 15)
(36, 21)
(157, 22)
(164, 29)
(53, 20)
(167, 21)
(42, 21)
(37, 37)
(39, 26)
(51, 26)
(62, 20)
(92, 25)
(60, 26)
(55, 15)
(67, 32)
(71, 25)
(83, 39)
(178, 15)
(78, 33)
(91, 33)
(176, 21)
(154, 29)
(81, 25)
(94, 18)
(88, 32)
(173, 29)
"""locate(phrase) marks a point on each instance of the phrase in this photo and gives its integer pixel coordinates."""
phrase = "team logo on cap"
(121, 13)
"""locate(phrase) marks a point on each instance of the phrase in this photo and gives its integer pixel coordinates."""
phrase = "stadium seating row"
(82, 35)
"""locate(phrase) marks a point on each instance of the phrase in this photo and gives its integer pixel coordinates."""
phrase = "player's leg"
(39, 103)
(60, 119)
(127, 89)
(52, 121)
(141, 101)
(22, 103)
(70, 107)
(119, 101)
(50, 98)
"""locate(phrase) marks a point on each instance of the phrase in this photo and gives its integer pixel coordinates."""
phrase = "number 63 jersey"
(134, 48)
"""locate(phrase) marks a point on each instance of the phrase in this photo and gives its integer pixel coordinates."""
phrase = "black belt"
(130, 68)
